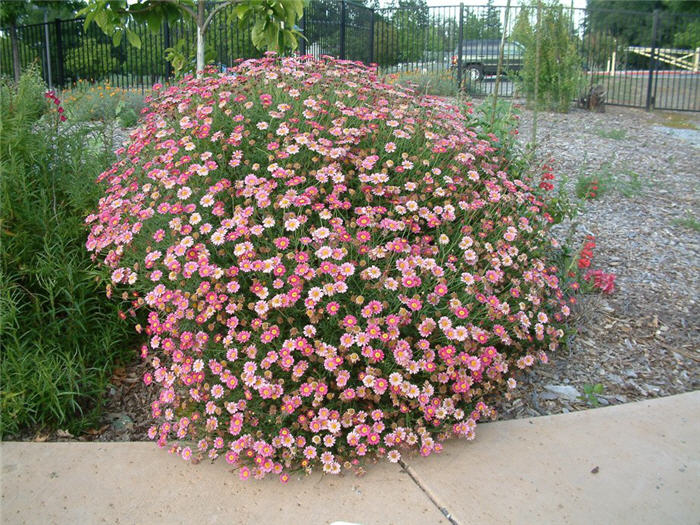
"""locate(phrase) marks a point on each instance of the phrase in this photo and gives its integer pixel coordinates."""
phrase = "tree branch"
(216, 10)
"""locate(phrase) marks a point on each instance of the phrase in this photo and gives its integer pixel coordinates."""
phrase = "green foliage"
(484, 24)
(91, 59)
(688, 221)
(60, 336)
(500, 120)
(22, 12)
(103, 103)
(615, 134)
(607, 179)
(560, 75)
(272, 22)
(591, 393)
(689, 38)
(117, 17)
(592, 186)
(676, 28)
(184, 60)
(561, 206)
(412, 28)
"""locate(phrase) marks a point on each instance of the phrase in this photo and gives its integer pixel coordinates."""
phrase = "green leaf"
(272, 36)
(257, 35)
(117, 38)
(133, 38)
(154, 21)
(289, 40)
(242, 11)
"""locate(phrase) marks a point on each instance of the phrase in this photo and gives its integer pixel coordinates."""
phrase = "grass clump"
(687, 221)
(59, 335)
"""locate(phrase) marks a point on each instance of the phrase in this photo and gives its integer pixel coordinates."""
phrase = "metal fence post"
(652, 60)
(47, 50)
(60, 73)
(342, 29)
(302, 28)
(460, 45)
(371, 38)
(166, 45)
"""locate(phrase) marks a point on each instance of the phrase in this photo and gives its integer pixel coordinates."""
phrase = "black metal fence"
(641, 59)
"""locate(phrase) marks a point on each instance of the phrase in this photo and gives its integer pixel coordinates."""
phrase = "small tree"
(560, 71)
(272, 21)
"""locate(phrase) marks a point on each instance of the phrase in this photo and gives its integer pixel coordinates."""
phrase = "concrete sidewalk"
(636, 463)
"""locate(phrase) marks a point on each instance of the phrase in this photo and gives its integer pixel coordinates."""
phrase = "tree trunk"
(200, 38)
(200, 52)
(15, 52)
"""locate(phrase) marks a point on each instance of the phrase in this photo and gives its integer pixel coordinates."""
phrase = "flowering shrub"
(332, 267)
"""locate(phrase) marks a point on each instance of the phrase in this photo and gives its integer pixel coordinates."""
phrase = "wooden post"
(696, 60)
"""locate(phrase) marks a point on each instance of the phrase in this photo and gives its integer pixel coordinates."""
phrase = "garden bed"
(641, 341)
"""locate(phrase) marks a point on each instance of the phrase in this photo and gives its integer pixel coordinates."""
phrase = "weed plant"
(687, 221)
(592, 186)
(59, 335)
(615, 134)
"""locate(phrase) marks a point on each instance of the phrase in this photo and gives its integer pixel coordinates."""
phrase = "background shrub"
(59, 334)
(103, 102)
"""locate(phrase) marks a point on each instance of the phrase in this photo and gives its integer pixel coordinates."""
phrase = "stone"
(564, 391)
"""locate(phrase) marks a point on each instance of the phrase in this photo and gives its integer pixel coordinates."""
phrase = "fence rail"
(634, 56)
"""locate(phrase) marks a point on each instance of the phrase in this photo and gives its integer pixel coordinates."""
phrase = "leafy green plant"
(628, 183)
(561, 206)
(60, 335)
(591, 393)
(559, 76)
(186, 63)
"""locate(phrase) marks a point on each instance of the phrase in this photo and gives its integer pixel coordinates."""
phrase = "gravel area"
(642, 341)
